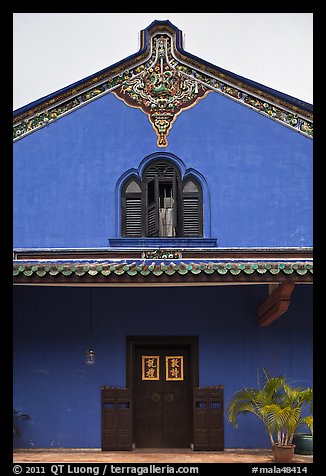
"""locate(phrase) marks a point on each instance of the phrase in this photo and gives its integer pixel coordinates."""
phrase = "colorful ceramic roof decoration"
(162, 80)
(162, 89)
(266, 269)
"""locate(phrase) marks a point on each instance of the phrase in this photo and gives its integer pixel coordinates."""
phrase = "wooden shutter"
(192, 210)
(133, 217)
(132, 211)
(177, 205)
(152, 223)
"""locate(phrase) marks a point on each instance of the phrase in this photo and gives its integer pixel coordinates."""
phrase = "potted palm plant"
(280, 407)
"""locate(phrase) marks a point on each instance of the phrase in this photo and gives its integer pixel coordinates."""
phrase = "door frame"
(192, 342)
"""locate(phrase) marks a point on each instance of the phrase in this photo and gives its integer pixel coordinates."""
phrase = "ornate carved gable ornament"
(163, 80)
(161, 89)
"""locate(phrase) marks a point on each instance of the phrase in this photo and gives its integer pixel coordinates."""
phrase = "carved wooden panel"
(208, 418)
(116, 419)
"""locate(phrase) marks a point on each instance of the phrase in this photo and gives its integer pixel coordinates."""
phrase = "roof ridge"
(203, 75)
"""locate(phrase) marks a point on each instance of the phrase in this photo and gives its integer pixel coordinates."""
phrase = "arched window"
(162, 204)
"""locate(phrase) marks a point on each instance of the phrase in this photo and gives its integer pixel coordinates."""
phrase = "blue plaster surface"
(258, 173)
(62, 394)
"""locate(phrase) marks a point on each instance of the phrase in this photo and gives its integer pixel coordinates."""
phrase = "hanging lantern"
(90, 357)
(90, 354)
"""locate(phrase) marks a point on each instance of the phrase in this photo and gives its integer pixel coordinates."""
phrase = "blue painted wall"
(259, 173)
(62, 394)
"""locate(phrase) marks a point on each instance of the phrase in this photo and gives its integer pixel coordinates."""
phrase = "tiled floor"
(80, 455)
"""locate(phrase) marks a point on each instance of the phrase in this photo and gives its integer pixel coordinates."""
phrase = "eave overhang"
(237, 267)
(203, 76)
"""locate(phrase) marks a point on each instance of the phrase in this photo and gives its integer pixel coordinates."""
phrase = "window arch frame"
(185, 175)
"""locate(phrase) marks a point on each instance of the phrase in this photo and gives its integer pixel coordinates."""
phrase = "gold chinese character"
(150, 367)
(174, 372)
(174, 367)
(150, 363)
(174, 363)
(150, 373)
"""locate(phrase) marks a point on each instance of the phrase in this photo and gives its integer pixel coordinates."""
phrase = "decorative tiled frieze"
(159, 267)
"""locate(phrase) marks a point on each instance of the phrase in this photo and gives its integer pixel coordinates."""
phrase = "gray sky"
(53, 50)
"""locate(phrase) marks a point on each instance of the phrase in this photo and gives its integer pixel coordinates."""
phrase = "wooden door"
(162, 394)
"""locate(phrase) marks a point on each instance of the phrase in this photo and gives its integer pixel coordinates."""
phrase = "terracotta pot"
(283, 454)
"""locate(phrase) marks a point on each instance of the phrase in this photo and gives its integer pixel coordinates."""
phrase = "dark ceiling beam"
(276, 304)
